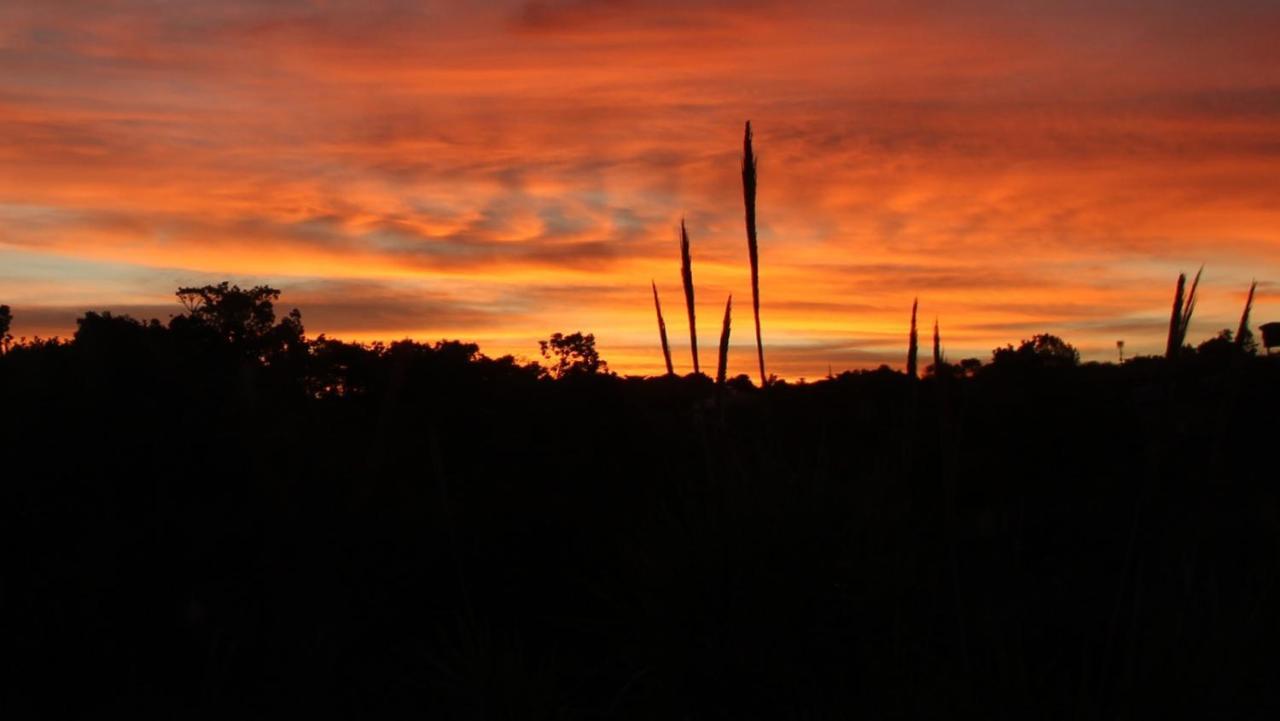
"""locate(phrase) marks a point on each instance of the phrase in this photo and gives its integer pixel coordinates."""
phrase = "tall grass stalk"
(1174, 342)
(686, 274)
(753, 250)
(1243, 334)
(1189, 308)
(1183, 307)
(913, 342)
(937, 348)
(723, 365)
(662, 330)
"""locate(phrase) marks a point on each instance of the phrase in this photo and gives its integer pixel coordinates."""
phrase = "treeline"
(219, 517)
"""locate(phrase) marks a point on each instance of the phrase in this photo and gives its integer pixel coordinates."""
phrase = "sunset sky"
(499, 171)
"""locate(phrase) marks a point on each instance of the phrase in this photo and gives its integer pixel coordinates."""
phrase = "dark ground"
(204, 527)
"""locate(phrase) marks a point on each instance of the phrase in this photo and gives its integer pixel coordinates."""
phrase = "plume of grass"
(913, 342)
(1174, 343)
(662, 330)
(753, 250)
(1180, 320)
(937, 348)
(723, 364)
(1189, 308)
(1243, 334)
(686, 273)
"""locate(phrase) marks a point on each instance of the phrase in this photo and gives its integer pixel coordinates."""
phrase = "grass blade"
(662, 330)
(937, 349)
(686, 273)
(913, 342)
(1174, 343)
(1189, 308)
(753, 250)
(1243, 334)
(723, 365)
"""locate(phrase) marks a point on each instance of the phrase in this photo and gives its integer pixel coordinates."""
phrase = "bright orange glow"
(437, 170)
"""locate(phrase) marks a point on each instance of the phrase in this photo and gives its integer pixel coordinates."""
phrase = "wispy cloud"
(499, 171)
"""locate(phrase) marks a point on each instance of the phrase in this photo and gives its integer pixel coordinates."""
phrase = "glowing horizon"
(498, 174)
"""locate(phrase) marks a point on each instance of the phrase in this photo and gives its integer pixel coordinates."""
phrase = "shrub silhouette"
(1221, 348)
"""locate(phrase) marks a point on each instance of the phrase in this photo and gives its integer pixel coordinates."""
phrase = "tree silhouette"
(969, 366)
(6, 322)
(243, 319)
(572, 355)
(1044, 350)
(235, 313)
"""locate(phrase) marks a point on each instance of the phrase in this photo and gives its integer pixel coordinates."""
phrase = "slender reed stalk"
(937, 349)
(913, 342)
(1190, 307)
(662, 330)
(1174, 343)
(753, 251)
(686, 273)
(723, 365)
(1243, 334)
(1180, 321)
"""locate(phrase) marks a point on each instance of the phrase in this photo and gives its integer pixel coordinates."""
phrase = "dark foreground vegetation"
(216, 518)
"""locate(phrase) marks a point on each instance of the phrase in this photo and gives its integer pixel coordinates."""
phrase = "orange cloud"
(501, 173)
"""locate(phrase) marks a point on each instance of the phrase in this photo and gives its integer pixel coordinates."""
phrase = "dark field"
(204, 523)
